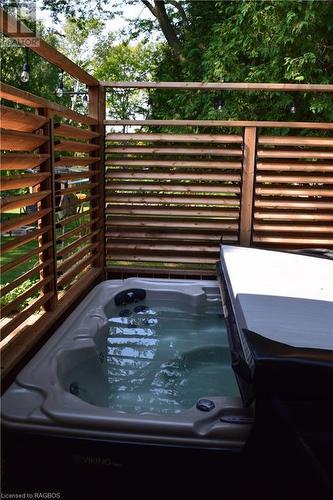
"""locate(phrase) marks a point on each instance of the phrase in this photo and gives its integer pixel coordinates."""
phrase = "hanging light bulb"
(85, 100)
(219, 103)
(26, 68)
(60, 87)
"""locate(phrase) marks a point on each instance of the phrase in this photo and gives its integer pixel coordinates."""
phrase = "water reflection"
(149, 368)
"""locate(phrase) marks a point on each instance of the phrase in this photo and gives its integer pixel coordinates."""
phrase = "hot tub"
(140, 368)
(160, 378)
(138, 360)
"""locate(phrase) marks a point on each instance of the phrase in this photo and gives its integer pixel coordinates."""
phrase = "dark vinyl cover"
(279, 311)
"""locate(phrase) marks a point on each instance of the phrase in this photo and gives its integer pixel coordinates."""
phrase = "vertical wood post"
(49, 220)
(97, 111)
(248, 179)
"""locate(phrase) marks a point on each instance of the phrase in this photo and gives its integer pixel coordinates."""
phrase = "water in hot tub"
(162, 359)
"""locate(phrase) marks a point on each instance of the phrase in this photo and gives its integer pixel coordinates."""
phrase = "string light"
(60, 87)
(85, 100)
(25, 75)
(219, 103)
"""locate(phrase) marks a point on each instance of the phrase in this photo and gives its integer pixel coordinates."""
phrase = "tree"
(253, 41)
(125, 62)
(170, 15)
(233, 40)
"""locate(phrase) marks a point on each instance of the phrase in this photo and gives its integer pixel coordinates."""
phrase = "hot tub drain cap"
(205, 405)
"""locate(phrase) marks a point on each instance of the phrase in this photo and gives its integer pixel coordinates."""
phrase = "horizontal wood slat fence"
(79, 198)
(172, 197)
(52, 215)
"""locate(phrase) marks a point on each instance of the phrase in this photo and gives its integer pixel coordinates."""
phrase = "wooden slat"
(295, 141)
(21, 181)
(250, 137)
(176, 249)
(13, 28)
(69, 248)
(186, 188)
(175, 151)
(221, 123)
(72, 218)
(294, 204)
(160, 258)
(9, 308)
(22, 240)
(21, 121)
(20, 141)
(279, 153)
(167, 222)
(232, 165)
(21, 317)
(295, 167)
(77, 189)
(23, 258)
(292, 216)
(19, 96)
(276, 228)
(74, 272)
(128, 174)
(10, 203)
(293, 191)
(75, 146)
(21, 161)
(62, 130)
(21, 279)
(23, 221)
(160, 137)
(156, 271)
(62, 112)
(23, 97)
(65, 161)
(23, 338)
(77, 175)
(76, 203)
(74, 259)
(165, 213)
(300, 179)
(81, 229)
(176, 200)
(270, 87)
(321, 242)
(123, 234)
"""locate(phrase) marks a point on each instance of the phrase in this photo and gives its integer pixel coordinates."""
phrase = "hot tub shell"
(39, 402)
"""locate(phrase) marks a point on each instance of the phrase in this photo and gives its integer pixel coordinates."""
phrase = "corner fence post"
(97, 105)
(49, 256)
(247, 191)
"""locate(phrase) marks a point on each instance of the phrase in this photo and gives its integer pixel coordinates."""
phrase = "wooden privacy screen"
(51, 215)
(172, 197)
(293, 203)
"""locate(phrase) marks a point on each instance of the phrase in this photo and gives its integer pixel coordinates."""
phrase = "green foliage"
(253, 41)
(227, 41)
(19, 290)
(125, 62)
(43, 75)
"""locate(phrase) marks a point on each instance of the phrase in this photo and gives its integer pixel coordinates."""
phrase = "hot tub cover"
(281, 334)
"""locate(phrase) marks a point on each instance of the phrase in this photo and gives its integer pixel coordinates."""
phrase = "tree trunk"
(159, 12)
